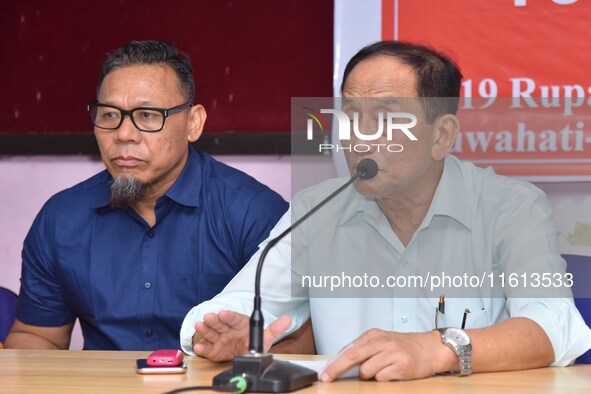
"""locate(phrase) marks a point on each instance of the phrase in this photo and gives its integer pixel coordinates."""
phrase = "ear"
(446, 130)
(197, 117)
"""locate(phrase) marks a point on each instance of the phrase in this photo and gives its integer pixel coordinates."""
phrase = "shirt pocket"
(477, 317)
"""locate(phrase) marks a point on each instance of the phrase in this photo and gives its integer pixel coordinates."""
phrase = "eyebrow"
(141, 103)
(145, 103)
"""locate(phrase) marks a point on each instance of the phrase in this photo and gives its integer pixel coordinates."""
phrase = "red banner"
(526, 93)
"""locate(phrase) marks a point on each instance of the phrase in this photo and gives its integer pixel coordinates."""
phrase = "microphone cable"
(236, 385)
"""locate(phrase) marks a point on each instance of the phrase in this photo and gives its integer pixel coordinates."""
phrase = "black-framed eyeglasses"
(146, 119)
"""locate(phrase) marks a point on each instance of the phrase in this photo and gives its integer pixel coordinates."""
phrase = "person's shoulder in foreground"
(131, 249)
(415, 199)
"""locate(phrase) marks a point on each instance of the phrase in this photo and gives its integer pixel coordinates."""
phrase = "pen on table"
(442, 303)
(466, 311)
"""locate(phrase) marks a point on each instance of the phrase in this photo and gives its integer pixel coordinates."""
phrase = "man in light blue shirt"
(425, 214)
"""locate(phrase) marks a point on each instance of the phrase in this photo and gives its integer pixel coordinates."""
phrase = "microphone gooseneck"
(259, 370)
(366, 169)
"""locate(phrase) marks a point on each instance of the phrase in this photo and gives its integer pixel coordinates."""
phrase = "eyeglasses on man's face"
(148, 119)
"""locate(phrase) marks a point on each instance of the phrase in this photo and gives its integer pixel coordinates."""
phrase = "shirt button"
(404, 319)
(148, 332)
(147, 285)
(151, 234)
(404, 263)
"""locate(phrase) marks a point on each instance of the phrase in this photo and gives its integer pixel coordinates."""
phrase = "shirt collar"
(451, 196)
(451, 199)
(101, 196)
(184, 191)
(357, 203)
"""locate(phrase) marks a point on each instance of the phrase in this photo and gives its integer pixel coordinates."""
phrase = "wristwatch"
(459, 342)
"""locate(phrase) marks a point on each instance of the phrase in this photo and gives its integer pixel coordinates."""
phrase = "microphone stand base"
(267, 375)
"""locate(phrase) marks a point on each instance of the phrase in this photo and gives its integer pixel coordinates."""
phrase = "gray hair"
(152, 52)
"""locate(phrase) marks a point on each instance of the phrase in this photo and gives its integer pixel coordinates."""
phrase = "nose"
(127, 132)
(367, 133)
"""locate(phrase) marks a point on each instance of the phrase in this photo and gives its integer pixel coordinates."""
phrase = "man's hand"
(222, 336)
(514, 344)
(388, 356)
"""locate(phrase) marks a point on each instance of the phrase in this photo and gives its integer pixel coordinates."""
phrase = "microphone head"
(367, 169)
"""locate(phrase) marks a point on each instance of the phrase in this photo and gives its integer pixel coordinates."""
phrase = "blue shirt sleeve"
(258, 219)
(40, 301)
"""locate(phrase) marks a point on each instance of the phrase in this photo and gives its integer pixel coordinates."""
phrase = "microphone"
(260, 370)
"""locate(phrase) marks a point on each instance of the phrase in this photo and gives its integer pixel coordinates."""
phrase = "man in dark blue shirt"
(163, 228)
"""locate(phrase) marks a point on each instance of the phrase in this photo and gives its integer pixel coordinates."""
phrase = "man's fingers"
(203, 348)
(213, 321)
(391, 372)
(377, 364)
(205, 332)
(234, 320)
(279, 326)
(275, 330)
(348, 357)
(204, 339)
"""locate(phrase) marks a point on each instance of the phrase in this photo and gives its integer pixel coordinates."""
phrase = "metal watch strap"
(465, 362)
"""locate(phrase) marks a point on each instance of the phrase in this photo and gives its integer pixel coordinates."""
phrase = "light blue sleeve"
(560, 320)
(529, 245)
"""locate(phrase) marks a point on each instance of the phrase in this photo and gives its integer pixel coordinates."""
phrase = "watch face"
(458, 336)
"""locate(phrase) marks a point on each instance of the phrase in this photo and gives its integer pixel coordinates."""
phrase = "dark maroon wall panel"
(249, 57)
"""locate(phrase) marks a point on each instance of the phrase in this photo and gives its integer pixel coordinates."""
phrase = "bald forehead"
(381, 76)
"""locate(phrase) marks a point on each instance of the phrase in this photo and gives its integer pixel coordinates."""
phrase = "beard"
(128, 190)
